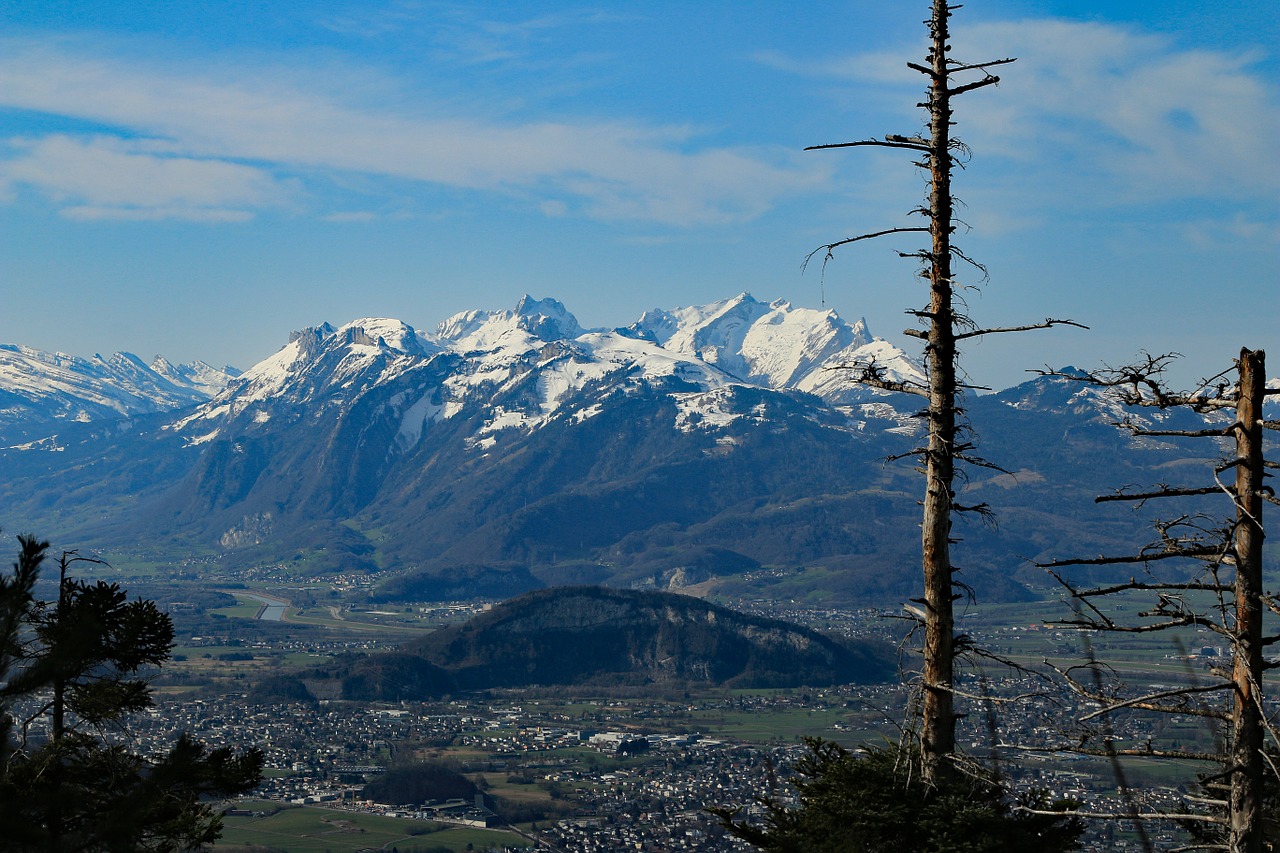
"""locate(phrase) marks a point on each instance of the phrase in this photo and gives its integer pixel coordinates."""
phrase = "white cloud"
(107, 177)
(90, 213)
(351, 216)
(1239, 229)
(1158, 121)
(887, 67)
(615, 169)
(1095, 115)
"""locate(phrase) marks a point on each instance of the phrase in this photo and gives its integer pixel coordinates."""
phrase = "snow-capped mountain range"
(37, 387)
(694, 353)
(511, 449)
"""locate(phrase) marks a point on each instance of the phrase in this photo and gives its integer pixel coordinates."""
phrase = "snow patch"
(414, 420)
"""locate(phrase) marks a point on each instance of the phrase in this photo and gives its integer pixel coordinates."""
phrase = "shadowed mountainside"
(593, 636)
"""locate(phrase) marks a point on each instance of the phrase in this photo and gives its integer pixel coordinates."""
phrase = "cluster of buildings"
(650, 797)
(639, 773)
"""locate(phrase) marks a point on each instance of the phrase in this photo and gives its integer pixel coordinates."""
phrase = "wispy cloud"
(104, 177)
(1097, 115)
(243, 131)
(1157, 121)
(374, 21)
(461, 35)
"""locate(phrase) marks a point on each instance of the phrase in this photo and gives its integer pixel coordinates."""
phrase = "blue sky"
(197, 179)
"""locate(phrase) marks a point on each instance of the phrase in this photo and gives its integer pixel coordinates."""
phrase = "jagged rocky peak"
(369, 332)
(771, 344)
(385, 332)
(547, 319)
(198, 374)
(690, 328)
(319, 356)
(543, 319)
(309, 339)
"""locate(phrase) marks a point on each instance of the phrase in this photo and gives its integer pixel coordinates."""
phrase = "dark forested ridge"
(592, 636)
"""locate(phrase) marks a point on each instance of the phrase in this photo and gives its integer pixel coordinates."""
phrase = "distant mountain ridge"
(770, 345)
(507, 450)
(38, 387)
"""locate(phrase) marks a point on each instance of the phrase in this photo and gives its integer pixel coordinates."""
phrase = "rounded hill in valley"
(600, 636)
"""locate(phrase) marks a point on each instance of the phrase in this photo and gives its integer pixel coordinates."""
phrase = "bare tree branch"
(1144, 701)
(1045, 325)
(830, 246)
(1170, 816)
(889, 142)
(1077, 749)
(1163, 492)
(956, 69)
(960, 90)
(1190, 553)
(1184, 433)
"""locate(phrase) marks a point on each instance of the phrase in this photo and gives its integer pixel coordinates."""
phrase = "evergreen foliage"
(418, 784)
(877, 802)
(71, 672)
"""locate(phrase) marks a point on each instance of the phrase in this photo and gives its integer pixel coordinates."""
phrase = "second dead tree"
(1226, 596)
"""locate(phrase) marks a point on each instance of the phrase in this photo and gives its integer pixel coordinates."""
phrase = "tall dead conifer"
(944, 328)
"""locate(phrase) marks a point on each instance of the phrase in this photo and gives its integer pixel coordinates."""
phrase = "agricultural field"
(305, 829)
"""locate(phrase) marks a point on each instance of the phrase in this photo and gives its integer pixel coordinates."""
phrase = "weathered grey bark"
(1233, 543)
(1245, 803)
(945, 328)
(938, 724)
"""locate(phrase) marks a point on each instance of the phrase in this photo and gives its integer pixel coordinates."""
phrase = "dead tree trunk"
(1221, 544)
(938, 728)
(945, 329)
(1245, 804)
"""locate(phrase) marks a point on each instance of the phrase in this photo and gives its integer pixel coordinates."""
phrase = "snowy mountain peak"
(547, 319)
(39, 387)
(773, 344)
(540, 319)
(203, 377)
(359, 353)
(683, 324)
(536, 357)
(381, 331)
